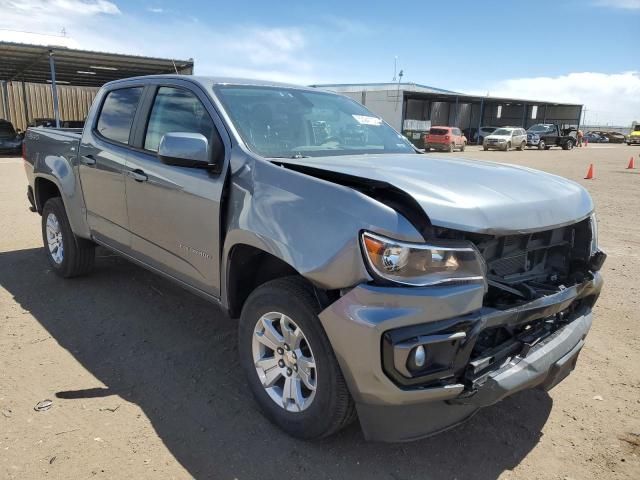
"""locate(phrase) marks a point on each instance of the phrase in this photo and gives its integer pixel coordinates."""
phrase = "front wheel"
(464, 145)
(507, 147)
(568, 145)
(290, 365)
(68, 255)
(542, 145)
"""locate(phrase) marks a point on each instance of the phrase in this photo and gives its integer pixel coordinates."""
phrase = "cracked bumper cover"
(356, 323)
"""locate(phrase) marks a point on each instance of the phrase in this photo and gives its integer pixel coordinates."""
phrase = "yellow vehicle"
(634, 136)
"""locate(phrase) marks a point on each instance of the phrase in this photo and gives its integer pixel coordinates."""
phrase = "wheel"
(507, 147)
(485, 148)
(290, 365)
(452, 147)
(464, 145)
(568, 145)
(68, 255)
(522, 146)
(547, 147)
(542, 145)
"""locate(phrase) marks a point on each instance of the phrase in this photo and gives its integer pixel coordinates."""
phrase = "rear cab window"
(117, 113)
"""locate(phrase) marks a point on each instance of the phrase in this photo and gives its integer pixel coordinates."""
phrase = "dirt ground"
(145, 382)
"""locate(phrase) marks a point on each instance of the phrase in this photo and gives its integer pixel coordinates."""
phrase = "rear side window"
(176, 110)
(117, 114)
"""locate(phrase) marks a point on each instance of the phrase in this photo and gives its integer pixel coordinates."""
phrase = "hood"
(498, 137)
(470, 195)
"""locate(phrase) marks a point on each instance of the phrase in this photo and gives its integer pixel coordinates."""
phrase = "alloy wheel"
(284, 362)
(54, 238)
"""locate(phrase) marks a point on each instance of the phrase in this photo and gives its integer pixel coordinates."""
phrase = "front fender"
(311, 224)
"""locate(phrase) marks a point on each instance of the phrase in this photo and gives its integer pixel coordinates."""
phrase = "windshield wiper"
(297, 155)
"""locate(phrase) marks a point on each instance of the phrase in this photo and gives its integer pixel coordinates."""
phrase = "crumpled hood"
(470, 195)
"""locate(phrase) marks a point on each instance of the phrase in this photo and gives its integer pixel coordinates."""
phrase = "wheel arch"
(44, 189)
(246, 267)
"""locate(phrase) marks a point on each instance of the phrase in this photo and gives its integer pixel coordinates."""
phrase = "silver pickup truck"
(369, 280)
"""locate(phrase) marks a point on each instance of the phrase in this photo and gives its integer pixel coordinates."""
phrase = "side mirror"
(183, 149)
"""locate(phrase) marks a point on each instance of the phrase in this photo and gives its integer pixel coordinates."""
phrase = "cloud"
(60, 7)
(609, 98)
(155, 10)
(623, 4)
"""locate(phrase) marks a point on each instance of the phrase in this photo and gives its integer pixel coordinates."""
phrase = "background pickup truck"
(368, 279)
(547, 135)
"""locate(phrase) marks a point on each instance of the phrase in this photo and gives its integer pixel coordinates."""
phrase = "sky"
(578, 51)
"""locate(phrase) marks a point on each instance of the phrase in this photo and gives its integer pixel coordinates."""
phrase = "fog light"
(419, 356)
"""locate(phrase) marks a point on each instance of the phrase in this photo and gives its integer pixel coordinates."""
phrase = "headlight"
(420, 264)
(594, 233)
(502, 140)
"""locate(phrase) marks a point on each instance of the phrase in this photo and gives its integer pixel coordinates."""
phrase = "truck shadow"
(174, 355)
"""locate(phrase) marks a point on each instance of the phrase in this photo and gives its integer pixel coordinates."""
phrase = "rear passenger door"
(103, 153)
(174, 212)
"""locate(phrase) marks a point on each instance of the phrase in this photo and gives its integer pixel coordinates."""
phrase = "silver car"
(505, 139)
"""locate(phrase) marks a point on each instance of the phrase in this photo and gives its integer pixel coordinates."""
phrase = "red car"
(445, 139)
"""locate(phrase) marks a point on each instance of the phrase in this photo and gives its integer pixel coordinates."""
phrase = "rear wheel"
(522, 146)
(68, 255)
(289, 362)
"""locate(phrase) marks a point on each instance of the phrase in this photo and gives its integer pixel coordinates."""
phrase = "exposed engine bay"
(521, 268)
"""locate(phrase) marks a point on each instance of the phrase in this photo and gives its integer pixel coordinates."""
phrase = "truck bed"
(43, 142)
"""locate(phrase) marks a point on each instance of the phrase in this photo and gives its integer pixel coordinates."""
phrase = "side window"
(176, 110)
(117, 114)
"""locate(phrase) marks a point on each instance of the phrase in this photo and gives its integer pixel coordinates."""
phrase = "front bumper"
(357, 323)
(633, 140)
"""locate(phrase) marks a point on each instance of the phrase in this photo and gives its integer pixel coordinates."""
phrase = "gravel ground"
(145, 382)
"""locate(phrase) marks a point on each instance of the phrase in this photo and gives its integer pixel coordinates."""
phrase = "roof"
(418, 89)
(20, 61)
(407, 87)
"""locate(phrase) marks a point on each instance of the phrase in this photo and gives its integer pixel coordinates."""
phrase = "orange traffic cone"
(591, 174)
(632, 164)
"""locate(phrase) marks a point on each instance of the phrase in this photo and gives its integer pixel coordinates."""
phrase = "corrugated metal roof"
(407, 87)
(20, 61)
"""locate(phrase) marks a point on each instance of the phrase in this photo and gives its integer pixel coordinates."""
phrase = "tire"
(330, 407)
(464, 145)
(568, 145)
(68, 255)
(542, 145)
(522, 146)
(507, 147)
(547, 147)
(452, 147)
(485, 148)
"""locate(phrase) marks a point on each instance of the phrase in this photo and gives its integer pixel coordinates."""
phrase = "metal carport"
(56, 65)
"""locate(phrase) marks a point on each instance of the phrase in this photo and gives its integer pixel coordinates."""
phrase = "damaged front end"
(538, 283)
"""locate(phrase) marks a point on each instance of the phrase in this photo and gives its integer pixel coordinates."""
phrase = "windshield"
(636, 128)
(288, 122)
(540, 128)
(502, 131)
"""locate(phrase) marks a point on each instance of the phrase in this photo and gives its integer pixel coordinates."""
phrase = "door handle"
(138, 175)
(88, 160)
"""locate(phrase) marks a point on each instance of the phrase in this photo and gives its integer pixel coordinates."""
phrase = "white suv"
(506, 138)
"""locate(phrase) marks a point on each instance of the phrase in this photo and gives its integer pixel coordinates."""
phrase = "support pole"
(54, 89)
(457, 113)
(480, 119)
(5, 100)
(25, 104)
(524, 116)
